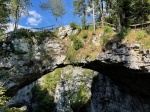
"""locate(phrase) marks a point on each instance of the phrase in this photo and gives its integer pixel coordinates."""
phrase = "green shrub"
(124, 33)
(105, 38)
(51, 80)
(140, 34)
(84, 35)
(44, 101)
(80, 98)
(108, 30)
(127, 31)
(73, 25)
(2, 36)
(70, 56)
(77, 44)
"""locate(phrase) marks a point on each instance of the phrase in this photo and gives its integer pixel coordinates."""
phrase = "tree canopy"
(18, 7)
(4, 14)
(56, 7)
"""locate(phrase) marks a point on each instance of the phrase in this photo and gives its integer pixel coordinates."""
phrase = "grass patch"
(71, 54)
(84, 35)
(140, 35)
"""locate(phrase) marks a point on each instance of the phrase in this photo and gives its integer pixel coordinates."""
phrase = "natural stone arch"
(35, 60)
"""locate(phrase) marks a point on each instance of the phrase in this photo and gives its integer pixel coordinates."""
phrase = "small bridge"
(42, 29)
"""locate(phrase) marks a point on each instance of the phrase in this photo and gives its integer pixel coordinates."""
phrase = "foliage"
(51, 80)
(124, 33)
(146, 44)
(70, 56)
(28, 35)
(44, 101)
(108, 30)
(73, 37)
(80, 10)
(18, 7)
(80, 98)
(56, 7)
(2, 36)
(105, 38)
(3, 99)
(73, 25)
(84, 35)
(84, 27)
(77, 44)
(4, 14)
(141, 34)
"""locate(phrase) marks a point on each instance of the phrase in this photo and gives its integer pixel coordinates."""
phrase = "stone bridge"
(127, 65)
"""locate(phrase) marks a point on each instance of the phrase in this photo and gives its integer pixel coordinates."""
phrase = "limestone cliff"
(126, 66)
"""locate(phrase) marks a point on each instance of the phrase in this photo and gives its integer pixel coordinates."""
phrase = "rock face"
(23, 63)
(108, 97)
(72, 89)
(65, 31)
(127, 66)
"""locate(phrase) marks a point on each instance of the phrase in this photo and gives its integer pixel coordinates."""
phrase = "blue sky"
(40, 18)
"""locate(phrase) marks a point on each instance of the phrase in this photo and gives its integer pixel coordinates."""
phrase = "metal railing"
(42, 29)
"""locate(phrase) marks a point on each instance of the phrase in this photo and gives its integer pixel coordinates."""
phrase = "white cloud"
(33, 21)
(34, 14)
(34, 18)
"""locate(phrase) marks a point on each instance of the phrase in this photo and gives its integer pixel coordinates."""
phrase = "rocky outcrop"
(65, 31)
(128, 66)
(23, 63)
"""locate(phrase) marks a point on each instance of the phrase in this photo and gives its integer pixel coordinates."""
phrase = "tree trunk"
(16, 19)
(56, 22)
(119, 18)
(93, 15)
(102, 13)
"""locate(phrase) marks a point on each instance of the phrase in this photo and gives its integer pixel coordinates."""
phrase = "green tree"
(80, 8)
(98, 8)
(126, 12)
(18, 7)
(56, 7)
(140, 10)
(4, 14)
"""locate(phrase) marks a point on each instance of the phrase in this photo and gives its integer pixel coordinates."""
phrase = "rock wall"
(126, 67)
(22, 63)
(108, 97)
